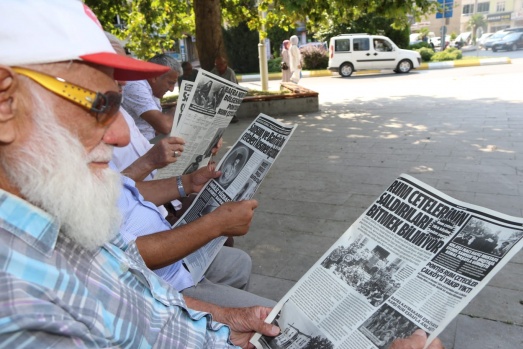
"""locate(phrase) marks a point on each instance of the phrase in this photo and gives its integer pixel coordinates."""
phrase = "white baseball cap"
(47, 31)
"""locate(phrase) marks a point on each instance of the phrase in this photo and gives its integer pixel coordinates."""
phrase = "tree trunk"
(209, 39)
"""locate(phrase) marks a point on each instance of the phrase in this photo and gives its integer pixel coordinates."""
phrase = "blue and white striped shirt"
(54, 293)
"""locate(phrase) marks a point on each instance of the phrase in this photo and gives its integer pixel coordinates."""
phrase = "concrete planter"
(299, 101)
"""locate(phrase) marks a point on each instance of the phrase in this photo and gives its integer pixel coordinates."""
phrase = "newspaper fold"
(414, 259)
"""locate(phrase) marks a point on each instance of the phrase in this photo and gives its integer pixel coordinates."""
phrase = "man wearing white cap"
(63, 283)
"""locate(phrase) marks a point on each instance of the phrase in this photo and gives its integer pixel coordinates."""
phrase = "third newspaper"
(414, 259)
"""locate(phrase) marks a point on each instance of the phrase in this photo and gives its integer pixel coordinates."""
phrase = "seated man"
(189, 73)
(63, 283)
(163, 248)
(142, 98)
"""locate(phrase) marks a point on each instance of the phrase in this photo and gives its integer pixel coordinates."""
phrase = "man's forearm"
(139, 169)
(161, 191)
(167, 247)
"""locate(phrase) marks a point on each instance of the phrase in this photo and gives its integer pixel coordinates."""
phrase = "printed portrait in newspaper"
(233, 164)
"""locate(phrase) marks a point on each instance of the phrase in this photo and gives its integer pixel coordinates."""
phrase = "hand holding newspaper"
(413, 260)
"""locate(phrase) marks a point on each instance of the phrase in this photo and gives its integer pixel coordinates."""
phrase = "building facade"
(498, 14)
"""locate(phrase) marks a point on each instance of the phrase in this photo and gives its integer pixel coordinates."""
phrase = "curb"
(423, 66)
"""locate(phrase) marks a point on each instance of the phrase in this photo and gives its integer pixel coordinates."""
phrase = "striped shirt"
(54, 293)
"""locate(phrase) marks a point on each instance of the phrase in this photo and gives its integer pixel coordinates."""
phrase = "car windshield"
(498, 35)
(511, 36)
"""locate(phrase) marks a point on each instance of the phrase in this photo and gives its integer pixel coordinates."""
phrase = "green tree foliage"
(476, 21)
(149, 26)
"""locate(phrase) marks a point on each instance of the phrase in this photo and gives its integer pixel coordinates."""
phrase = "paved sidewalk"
(467, 144)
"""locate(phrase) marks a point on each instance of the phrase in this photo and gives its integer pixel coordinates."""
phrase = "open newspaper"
(243, 168)
(204, 109)
(414, 259)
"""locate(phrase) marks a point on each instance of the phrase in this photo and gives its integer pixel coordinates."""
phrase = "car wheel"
(346, 70)
(494, 49)
(404, 66)
(514, 47)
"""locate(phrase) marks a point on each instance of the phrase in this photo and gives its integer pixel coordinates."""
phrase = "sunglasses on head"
(105, 106)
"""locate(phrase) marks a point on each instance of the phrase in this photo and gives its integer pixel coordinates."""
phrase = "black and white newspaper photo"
(204, 109)
(243, 168)
(413, 260)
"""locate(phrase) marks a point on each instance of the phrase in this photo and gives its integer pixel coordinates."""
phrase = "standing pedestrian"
(285, 70)
(295, 60)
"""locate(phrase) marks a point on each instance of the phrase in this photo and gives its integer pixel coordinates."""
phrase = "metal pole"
(262, 55)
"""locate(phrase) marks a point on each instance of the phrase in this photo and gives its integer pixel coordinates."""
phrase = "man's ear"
(8, 102)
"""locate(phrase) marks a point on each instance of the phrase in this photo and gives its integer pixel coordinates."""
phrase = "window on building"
(500, 6)
(468, 9)
(483, 7)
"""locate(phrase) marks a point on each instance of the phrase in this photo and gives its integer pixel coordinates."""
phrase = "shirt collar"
(36, 227)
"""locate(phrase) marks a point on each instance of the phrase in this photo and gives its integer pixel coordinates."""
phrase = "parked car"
(483, 39)
(437, 41)
(493, 38)
(352, 52)
(510, 42)
(514, 29)
(461, 40)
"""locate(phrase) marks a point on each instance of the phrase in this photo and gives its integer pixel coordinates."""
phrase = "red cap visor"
(126, 68)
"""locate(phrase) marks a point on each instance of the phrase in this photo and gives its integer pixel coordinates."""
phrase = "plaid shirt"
(54, 293)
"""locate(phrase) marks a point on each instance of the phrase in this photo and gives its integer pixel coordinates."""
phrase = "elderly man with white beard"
(67, 280)
(63, 283)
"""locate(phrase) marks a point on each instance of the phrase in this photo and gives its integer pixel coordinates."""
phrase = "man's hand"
(244, 322)
(217, 147)
(162, 153)
(234, 218)
(416, 341)
(201, 176)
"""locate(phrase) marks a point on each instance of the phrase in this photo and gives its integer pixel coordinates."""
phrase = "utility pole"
(262, 55)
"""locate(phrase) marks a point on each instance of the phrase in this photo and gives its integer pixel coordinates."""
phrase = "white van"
(352, 52)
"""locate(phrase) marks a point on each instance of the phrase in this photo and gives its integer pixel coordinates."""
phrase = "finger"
(175, 140)
(436, 344)
(415, 341)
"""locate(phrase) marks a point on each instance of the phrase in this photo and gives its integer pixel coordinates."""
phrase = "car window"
(512, 36)
(342, 45)
(382, 45)
(361, 44)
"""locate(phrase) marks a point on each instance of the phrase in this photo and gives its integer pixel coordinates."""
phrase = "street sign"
(446, 7)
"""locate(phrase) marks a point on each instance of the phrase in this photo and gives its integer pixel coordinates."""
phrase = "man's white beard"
(51, 171)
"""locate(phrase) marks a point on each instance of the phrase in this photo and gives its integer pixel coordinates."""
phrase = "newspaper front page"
(204, 109)
(414, 259)
(243, 168)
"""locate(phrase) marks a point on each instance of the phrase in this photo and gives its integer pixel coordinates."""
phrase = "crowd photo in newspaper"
(413, 260)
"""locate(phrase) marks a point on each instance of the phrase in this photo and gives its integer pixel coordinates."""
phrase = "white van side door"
(362, 53)
(384, 54)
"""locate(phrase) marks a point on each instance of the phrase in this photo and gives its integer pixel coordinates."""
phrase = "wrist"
(181, 188)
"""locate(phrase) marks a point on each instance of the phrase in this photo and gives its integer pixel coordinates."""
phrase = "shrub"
(419, 45)
(274, 65)
(450, 54)
(314, 58)
(425, 53)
